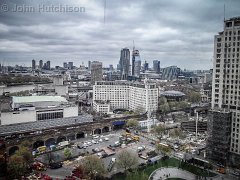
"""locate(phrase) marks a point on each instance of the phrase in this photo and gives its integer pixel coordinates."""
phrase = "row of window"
(234, 38)
(230, 33)
(52, 115)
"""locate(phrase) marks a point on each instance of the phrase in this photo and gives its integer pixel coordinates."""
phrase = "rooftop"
(26, 99)
(44, 124)
(173, 93)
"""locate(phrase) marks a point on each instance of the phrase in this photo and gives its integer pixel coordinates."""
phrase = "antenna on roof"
(224, 12)
(133, 46)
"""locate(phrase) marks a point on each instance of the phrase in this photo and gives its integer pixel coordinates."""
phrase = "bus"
(42, 149)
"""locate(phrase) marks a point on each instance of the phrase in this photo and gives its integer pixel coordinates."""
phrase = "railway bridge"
(72, 131)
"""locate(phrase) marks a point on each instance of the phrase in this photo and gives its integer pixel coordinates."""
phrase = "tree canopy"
(126, 159)
(132, 123)
(93, 166)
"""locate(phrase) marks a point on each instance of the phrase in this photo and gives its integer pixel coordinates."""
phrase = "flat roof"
(44, 124)
(27, 99)
(173, 93)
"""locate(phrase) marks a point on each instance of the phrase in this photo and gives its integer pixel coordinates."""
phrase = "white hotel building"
(136, 96)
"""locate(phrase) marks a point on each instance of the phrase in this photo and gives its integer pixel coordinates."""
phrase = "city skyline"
(176, 33)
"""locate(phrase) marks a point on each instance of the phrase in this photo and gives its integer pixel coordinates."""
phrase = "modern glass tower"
(124, 63)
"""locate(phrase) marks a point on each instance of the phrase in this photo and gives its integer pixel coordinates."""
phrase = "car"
(94, 142)
(100, 140)
(79, 146)
(104, 155)
(96, 150)
(106, 139)
(95, 136)
(235, 173)
(55, 165)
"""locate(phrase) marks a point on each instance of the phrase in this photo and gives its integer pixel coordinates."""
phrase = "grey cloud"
(175, 32)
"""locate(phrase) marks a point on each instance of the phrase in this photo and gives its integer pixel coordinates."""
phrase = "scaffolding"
(219, 135)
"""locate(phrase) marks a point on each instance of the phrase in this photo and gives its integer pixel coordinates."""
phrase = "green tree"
(162, 100)
(93, 166)
(164, 108)
(25, 143)
(17, 167)
(132, 123)
(82, 172)
(25, 153)
(176, 133)
(126, 160)
(165, 150)
(159, 130)
(67, 153)
(194, 97)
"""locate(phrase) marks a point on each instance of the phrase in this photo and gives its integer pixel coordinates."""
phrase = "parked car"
(96, 150)
(106, 139)
(95, 136)
(55, 165)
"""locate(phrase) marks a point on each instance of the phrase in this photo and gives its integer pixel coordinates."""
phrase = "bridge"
(74, 130)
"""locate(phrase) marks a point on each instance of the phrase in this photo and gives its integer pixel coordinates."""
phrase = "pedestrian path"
(171, 172)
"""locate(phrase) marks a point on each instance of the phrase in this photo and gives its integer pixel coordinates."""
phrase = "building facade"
(34, 108)
(136, 63)
(124, 63)
(40, 64)
(33, 64)
(139, 97)
(156, 66)
(226, 83)
(170, 73)
(96, 71)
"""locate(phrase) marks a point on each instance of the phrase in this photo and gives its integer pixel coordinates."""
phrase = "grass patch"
(172, 162)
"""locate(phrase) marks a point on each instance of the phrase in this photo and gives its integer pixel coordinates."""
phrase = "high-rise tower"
(33, 64)
(96, 71)
(224, 136)
(124, 63)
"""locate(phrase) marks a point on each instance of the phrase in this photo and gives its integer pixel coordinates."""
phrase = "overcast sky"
(176, 32)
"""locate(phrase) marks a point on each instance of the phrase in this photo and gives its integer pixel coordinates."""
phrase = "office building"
(225, 93)
(170, 73)
(145, 66)
(124, 63)
(70, 65)
(156, 66)
(65, 65)
(96, 71)
(40, 64)
(33, 64)
(137, 68)
(89, 65)
(136, 96)
(111, 67)
(136, 61)
(48, 65)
